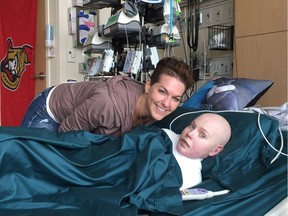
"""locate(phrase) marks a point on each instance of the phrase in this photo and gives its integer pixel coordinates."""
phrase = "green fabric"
(243, 166)
(80, 173)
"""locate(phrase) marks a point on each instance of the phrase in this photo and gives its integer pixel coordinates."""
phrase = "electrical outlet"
(221, 66)
(227, 12)
(206, 16)
(71, 55)
(218, 13)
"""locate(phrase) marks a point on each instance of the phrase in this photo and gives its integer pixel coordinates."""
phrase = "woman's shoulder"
(125, 79)
(123, 86)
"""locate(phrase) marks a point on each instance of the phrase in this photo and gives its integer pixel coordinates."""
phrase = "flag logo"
(14, 64)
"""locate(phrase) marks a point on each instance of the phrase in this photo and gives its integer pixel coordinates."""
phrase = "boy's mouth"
(184, 143)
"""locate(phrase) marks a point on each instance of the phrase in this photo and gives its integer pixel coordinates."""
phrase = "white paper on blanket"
(281, 113)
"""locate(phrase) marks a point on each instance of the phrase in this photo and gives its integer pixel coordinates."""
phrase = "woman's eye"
(176, 100)
(162, 91)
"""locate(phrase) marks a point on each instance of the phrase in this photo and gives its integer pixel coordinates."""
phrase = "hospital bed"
(80, 173)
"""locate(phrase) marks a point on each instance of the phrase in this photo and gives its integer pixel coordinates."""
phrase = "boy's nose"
(190, 134)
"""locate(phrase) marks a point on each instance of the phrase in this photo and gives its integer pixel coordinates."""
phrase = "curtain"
(17, 47)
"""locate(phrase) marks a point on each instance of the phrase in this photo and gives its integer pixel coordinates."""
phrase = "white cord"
(259, 125)
(199, 111)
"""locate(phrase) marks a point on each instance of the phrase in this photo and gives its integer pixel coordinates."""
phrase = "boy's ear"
(216, 151)
(147, 85)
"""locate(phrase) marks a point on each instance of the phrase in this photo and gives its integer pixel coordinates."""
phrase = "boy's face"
(202, 138)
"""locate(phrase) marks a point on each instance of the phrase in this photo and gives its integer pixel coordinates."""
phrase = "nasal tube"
(200, 193)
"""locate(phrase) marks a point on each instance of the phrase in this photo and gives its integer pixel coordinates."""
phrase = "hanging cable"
(193, 24)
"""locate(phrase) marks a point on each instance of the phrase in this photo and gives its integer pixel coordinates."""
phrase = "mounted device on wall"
(50, 41)
(50, 36)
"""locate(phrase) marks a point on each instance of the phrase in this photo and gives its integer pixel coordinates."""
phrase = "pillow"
(228, 94)
(245, 157)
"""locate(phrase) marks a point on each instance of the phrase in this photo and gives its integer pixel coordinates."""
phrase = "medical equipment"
(124, 21)
(97, 43)
(108, 58)
(99, 4)
(200, 193)
(162, 36)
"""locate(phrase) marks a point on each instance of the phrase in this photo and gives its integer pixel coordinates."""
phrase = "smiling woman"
(113, 106)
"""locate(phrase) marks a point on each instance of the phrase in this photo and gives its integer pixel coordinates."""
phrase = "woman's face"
(164, 96)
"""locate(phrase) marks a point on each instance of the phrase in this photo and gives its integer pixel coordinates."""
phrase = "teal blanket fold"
(79, 173)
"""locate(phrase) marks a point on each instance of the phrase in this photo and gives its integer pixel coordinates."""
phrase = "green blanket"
(79, 173)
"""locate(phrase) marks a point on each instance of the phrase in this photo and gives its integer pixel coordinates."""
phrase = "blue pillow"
(228, 94)
(195, 101)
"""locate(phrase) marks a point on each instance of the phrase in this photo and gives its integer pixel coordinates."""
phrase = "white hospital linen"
(190, 168)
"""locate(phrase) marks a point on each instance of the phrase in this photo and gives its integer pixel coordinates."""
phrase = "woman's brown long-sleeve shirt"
(103, 107)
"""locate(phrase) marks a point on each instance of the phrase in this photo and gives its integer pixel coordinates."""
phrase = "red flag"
(17, 47)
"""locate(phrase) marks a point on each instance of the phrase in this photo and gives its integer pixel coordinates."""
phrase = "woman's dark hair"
(173, 67)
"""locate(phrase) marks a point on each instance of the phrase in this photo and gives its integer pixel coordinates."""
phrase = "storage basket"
(220, 37)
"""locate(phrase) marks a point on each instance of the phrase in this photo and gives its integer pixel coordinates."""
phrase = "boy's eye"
(192, 125)
(202, 135)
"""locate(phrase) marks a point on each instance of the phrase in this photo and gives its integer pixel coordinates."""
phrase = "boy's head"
(205, 136)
